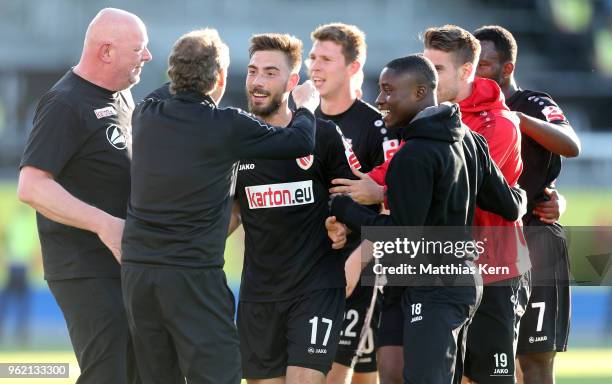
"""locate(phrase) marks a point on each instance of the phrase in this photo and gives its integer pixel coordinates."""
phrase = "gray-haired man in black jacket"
(184, 167)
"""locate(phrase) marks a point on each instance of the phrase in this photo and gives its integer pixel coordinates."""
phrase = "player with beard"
(335, 66)
(546, 136)
(293, 286)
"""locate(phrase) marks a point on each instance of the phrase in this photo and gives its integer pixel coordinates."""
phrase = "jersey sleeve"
(379, 173)
(356, 216)
(252, 138)
(543, 107)
(55, 137)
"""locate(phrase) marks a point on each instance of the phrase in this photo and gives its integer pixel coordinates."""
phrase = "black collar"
(195, 97)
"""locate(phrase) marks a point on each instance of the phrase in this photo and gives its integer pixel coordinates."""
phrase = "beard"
(276, 99)
(447, 94)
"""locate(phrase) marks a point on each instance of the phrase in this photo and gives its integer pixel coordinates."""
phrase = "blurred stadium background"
(565, 49)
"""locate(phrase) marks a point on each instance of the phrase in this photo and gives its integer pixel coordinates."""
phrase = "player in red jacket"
(485, 112)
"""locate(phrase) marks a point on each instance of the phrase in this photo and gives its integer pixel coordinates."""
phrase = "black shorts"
(302, 332)
(98, 328)
(545, 325)
(357, 307)
(391, 327)
(435, 324)
(182, 322)
(493, 334)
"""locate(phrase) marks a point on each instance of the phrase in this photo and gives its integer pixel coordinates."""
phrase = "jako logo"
(280, 195)
(245, 167)
(116, 137)
(537, 339)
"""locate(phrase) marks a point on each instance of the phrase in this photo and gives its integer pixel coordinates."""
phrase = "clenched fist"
(306, 96)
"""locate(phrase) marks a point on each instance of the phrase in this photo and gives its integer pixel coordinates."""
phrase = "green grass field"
(579, 366)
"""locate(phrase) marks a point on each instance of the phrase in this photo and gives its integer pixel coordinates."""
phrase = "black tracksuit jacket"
(438, 177)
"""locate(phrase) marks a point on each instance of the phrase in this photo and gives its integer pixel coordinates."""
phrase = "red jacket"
(378, 173)
(485, 112)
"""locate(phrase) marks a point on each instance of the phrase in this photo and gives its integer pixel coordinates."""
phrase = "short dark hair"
(195, 61)
(350, 37)
(456, 40)
(291, 46)
(418, 65)
(504, 42)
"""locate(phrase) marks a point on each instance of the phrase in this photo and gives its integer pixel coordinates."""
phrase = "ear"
(467, 70)
(508, 70)
(105, 53)
(294, 80)
(222, 78)
(420, 92)
(354, 67)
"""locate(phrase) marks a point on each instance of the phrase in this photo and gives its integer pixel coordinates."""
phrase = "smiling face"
(268, 83)
(397, 100)
(132, 53)
(327, 67)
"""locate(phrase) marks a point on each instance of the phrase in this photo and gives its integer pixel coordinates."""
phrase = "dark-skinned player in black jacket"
(438, 177)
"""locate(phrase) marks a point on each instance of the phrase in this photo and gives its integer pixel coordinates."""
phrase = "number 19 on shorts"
(501, 365)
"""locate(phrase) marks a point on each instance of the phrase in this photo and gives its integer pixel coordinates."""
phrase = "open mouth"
(384, 112)
(317, 81)
(259, 94)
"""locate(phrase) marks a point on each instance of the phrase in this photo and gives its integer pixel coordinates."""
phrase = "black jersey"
(185, 162)
(81, 135)
(363, 126)
(372, 144)
(541, 167)
(283, 205)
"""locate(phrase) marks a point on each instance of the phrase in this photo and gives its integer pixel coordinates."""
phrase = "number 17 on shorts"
(320, 329)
